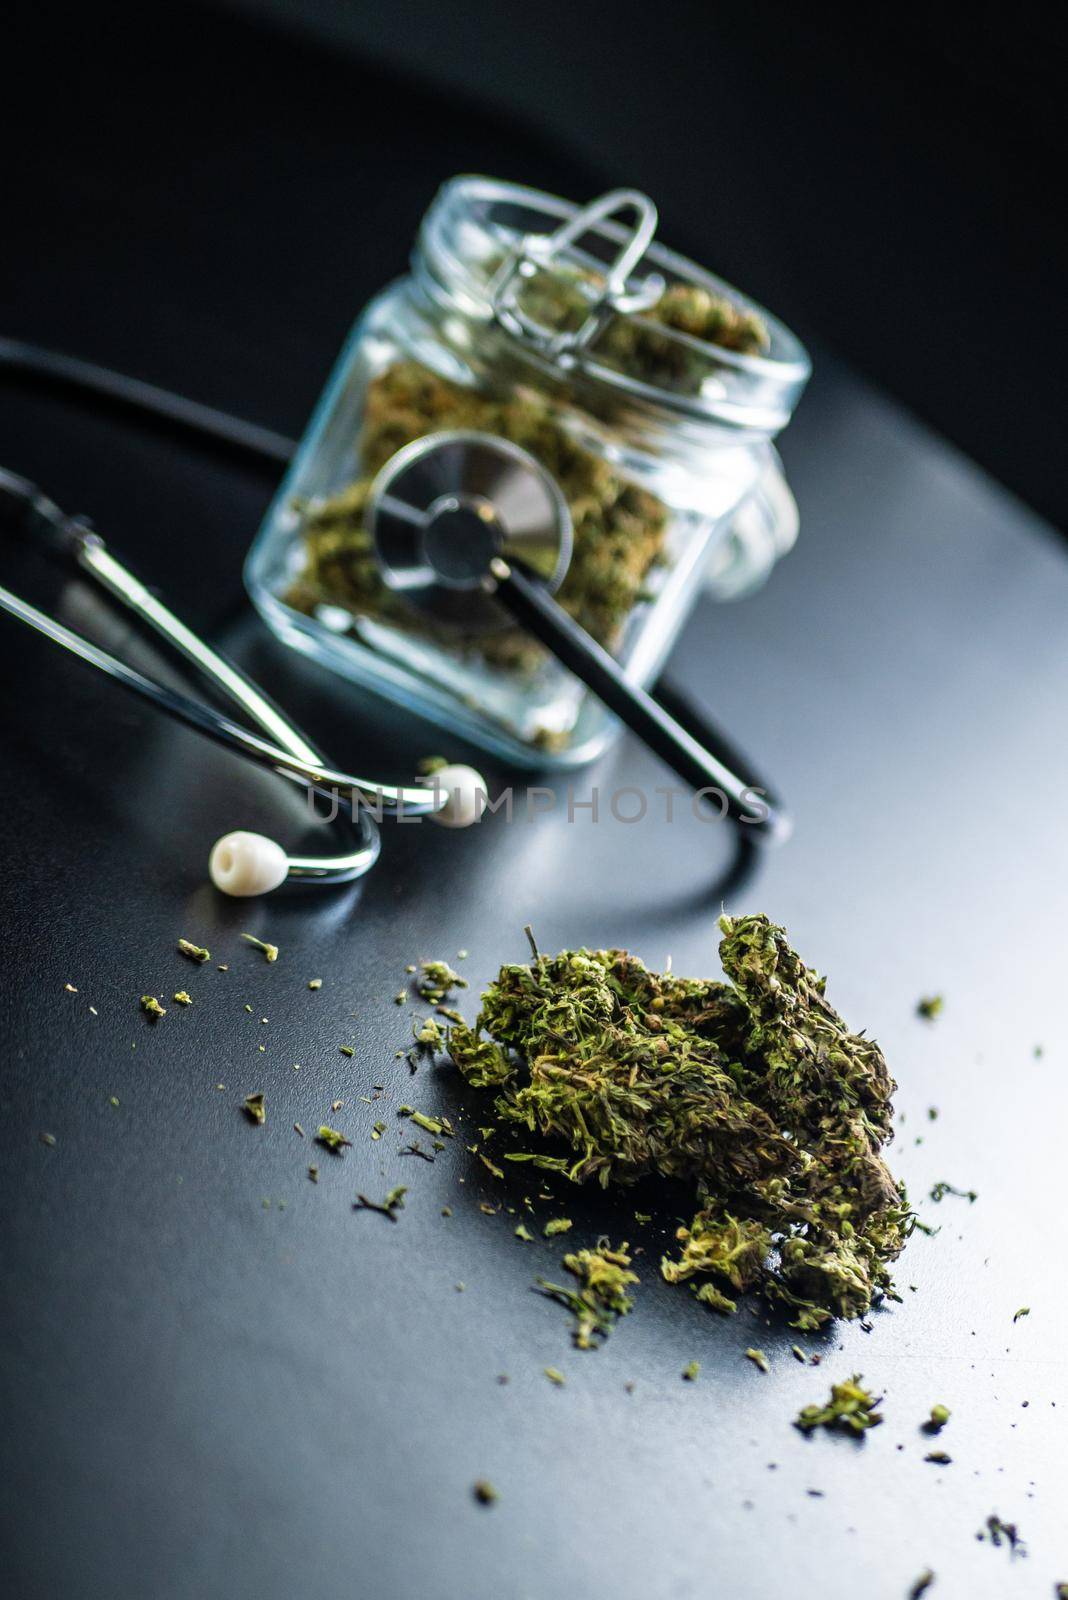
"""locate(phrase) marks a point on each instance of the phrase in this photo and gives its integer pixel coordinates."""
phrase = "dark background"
(891, 183)
(217, 1380)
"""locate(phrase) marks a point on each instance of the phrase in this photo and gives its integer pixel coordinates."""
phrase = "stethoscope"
(467, 527)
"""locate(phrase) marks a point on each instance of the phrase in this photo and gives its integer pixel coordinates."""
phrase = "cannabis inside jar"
(618, 526)
(648, 389)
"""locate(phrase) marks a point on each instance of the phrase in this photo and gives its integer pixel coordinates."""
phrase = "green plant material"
(759, 1359)
(48, 1139)
(437, 980)
(940, 1190)
(619, 527)
(691, 1371)
(428, 1036)
(195, 952)
(434, 1125)
(601, 1298)
(490, 1166)
(930, 1007)
(255, 1108)
(939, 1457)
(753, 1091)
(940, 1415)
(715, 1299)
(182, 998)
(389, 1207)
(484, 1492)
(151, 1006)
(921, 1585)
(556, 1225)
(1024, 1311)
(331, 1140)
(1060, 1591)
(851, 1409)
(270, 951)
(315, 983)
(554, 1375)
(524, 1233)
(999, 1532)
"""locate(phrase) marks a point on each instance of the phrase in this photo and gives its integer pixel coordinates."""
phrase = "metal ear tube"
(241, 863)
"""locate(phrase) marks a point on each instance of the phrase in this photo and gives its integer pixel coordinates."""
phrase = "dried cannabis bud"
(930, 1007)
(332, 1140)
(270, 951)
(437, 980)
(850, 1408)
(619, 527)
(998, 1531)
(940, 1415)
(389, 1207)
(601, 1298)
(195, 952)
(754, 1091)
(254, 1108)
(151, 1006)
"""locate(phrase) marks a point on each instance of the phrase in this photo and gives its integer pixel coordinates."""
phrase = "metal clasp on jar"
(537, 252)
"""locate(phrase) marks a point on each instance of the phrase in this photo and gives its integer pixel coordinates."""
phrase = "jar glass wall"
(654, 439)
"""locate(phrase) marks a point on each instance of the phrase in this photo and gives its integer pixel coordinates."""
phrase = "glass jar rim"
(471, 217)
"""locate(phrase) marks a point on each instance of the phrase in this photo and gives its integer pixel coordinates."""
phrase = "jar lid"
(588, 290)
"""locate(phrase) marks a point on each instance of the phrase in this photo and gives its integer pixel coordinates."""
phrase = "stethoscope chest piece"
(446, 507)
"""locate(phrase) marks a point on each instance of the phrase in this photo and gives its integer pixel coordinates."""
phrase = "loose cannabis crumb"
(930, 1006)
(715, 1299)
(254, 1108)
(195, 952)
(48, 1139)
(151, 1006)
(554, 1375)
(346, 1049)
(437, 980)
(922, 1584)
(940, 1415)
(524, 1233)
(313, 1174)
(754, 1091)
(484, 1492)
(70, 988)
(556, 1225)
(851, 1408)
(332, 1140)
(315, 983)
(182, 998)
(999, 1532)
(1024, 1311)
(388, 1207)
(940, 1190)
(601, 1298)
(270, 951)
(939, 1457)
(691, 1371)
(759, 1359)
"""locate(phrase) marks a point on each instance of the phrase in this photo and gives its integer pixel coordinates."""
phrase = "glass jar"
(653, 400)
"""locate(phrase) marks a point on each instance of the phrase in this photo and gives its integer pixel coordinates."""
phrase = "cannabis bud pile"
(754, 1091)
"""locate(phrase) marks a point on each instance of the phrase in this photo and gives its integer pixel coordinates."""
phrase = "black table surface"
(218, 1379)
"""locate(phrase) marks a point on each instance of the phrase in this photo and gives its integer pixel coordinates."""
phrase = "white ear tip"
(466, 791)
(247, 864)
